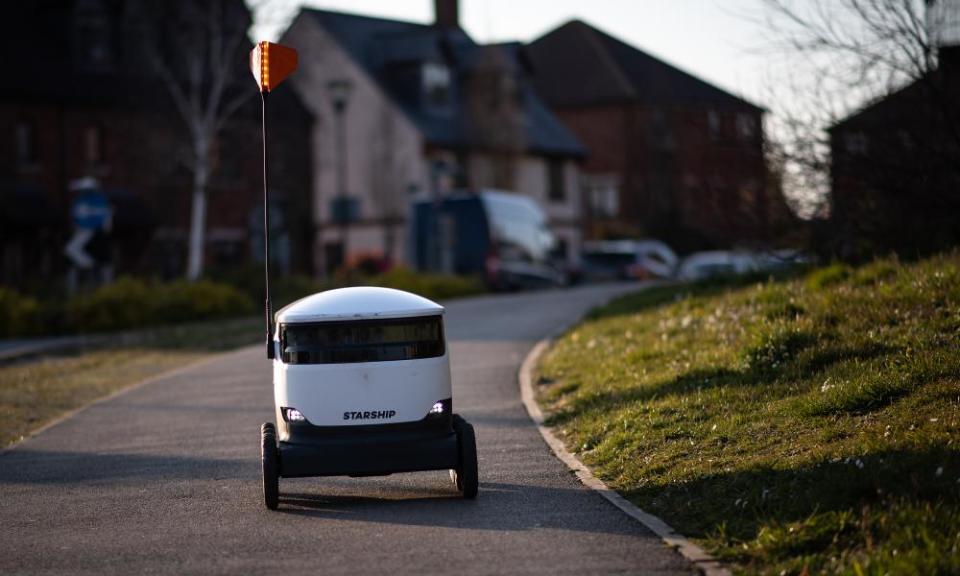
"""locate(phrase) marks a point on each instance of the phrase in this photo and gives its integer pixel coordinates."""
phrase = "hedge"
(129, 303)
(19, 314)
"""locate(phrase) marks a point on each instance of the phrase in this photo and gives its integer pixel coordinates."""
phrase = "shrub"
(19, 314)
(284, 289)
(130, 303)
(287, 289)
(433, 286)
(184, 301)
(123, 304)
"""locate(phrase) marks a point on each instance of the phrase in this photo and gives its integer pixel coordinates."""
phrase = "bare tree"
(197, 48)
(850, 52)
(849, 56)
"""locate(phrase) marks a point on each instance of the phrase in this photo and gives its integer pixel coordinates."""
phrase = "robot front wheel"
(465, 475)
(270, 461)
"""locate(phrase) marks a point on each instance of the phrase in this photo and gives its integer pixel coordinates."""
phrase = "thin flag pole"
(270, 64)
(268, 304)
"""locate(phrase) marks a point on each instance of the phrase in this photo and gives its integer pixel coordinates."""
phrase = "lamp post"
(339, 94)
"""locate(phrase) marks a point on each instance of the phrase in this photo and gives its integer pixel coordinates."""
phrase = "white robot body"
(400, 333)
(376, 392)
(361, 380)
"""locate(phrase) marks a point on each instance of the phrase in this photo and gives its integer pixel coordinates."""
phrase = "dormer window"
(436, 84)
(92, 37)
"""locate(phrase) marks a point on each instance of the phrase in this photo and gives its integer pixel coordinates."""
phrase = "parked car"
(499, 236)
(701, 265)
(627, 259)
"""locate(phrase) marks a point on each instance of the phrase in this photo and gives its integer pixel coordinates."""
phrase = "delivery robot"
(361, 380)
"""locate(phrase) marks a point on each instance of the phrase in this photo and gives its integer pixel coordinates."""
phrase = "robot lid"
(357, 303)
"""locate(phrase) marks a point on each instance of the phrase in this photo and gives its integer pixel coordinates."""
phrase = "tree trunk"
(198, 218)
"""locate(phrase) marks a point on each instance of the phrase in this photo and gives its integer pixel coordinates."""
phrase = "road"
(165, 479)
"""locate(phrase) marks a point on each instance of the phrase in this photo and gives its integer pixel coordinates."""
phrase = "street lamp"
(340, 89)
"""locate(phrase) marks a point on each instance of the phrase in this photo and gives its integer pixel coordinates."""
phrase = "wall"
(384, 149)
(679, 180)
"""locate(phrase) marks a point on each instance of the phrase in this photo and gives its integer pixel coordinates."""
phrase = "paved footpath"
(166, 479)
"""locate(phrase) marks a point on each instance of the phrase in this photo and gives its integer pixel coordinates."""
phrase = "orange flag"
(271, 64)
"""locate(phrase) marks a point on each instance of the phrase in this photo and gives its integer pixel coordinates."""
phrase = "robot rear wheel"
(270, 461)
(466, 475)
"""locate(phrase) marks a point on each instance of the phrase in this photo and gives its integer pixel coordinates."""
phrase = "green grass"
(37, 391)
(796, 426)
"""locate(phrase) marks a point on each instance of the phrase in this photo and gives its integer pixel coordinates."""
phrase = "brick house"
(429, 110)
(895, 168)
(86, 104)
(670, 156)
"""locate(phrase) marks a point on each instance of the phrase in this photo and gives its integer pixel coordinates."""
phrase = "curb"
(703, 561)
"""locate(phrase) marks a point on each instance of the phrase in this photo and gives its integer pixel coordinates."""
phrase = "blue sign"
(92, 211)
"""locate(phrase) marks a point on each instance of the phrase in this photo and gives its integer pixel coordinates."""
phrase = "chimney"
(948, 62)
(943, 27)
(447, 14)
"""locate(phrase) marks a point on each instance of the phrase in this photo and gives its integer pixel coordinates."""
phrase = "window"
(556, 183)
(713, 124)
(25, 135)
(856, 143)
(660, 134)
(436, 84)
(906, 140)
(94, 45)
(345, 209)
(604, 200)
(746, 126)
(93, 145)
(362, 341)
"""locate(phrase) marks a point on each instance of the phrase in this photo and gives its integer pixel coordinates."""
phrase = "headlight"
(440, 408)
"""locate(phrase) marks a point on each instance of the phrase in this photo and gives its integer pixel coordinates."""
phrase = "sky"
(717, 40)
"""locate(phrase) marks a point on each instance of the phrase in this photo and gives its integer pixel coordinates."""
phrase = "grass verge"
(791, 427)
(33, 393)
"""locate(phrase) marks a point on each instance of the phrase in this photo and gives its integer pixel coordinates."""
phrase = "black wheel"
(466, 476)
(270, 459)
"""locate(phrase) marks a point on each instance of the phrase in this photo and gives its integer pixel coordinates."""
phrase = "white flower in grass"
(826, 385)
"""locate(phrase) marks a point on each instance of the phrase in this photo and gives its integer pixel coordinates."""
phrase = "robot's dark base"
(364, 456)
(371, 451)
